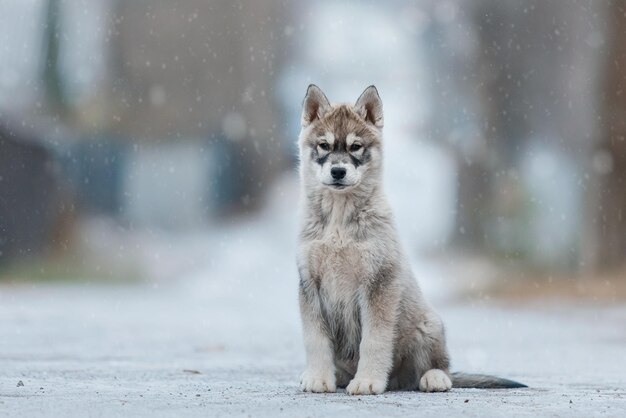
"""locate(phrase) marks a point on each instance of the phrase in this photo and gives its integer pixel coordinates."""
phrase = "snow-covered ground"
(222, 338)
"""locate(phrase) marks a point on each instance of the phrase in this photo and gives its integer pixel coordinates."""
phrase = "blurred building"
(168, 109)
(198, 76)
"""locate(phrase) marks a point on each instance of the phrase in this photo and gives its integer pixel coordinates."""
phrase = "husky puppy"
(366, 324)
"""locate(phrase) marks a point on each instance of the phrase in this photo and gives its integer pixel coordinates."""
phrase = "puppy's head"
(340, 145)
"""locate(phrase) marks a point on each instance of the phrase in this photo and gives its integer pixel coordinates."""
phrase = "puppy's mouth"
(338, 185)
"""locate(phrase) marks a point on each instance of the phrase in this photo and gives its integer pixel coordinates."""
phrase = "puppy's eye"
(355, 147)
(324, 146)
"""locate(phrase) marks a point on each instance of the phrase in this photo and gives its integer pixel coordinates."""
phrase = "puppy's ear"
(370, 107)
(315, 105)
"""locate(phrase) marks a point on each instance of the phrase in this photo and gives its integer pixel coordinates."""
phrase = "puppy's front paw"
(317, 381)
(366, 386)
(435, 380)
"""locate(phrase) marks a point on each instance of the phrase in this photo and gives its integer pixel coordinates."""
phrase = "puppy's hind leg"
(436, 378)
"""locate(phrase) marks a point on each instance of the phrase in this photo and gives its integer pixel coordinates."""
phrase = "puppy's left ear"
(370, 107)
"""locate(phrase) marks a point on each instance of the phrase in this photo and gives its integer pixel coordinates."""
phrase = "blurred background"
(144, 141)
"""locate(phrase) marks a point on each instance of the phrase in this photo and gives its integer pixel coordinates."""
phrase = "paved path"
(235, 350)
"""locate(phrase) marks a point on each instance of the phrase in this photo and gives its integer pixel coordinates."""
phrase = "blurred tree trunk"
(609, 160)
(52, 77)
(472, 206)
(487, 178)
(457, 119)
(531, 75)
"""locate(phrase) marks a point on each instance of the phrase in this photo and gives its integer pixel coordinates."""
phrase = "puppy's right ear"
(315, 105)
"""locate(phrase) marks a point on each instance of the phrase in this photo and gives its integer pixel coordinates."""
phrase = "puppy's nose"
(338, 172)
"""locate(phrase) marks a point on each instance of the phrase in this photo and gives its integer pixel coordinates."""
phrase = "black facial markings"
(355, 160)
(315, 155)
(322, 160)
(366, 156)
(340, 146)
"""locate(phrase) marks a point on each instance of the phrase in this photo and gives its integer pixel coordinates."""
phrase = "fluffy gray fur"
(366, 324)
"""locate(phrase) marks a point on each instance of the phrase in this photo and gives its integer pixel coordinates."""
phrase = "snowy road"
(85, 350)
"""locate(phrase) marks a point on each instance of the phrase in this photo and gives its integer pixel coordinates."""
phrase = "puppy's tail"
(481, 381)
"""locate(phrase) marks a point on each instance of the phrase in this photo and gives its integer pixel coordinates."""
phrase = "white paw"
(317, 382)
(366, 386)
(435, 380)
